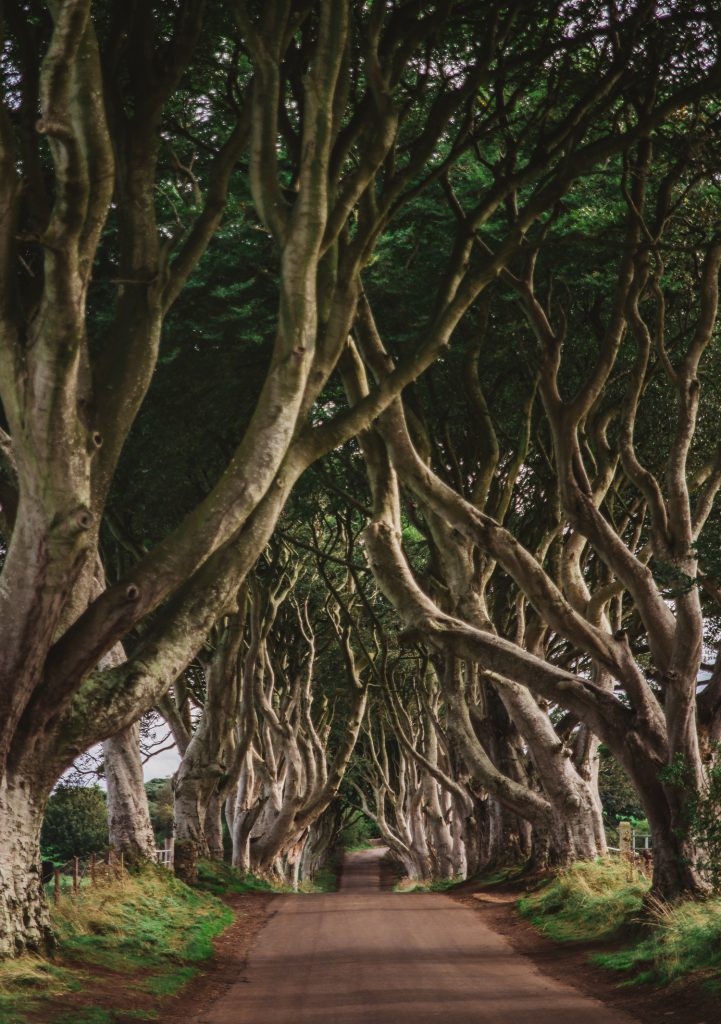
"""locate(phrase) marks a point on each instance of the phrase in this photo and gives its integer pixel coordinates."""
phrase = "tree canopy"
(358, 404)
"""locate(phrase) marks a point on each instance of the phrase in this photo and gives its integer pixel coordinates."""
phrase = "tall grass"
(589, 900)
(685, 938)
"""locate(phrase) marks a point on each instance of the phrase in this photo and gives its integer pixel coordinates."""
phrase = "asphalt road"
(363, 954)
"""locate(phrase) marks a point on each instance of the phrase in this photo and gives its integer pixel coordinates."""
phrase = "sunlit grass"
(589, 900)
(685, 938)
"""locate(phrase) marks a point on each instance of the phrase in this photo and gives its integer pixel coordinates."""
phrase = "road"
(363, 954)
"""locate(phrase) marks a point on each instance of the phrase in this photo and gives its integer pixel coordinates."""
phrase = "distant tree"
(75, 823)
(160, 804)
(618, 797)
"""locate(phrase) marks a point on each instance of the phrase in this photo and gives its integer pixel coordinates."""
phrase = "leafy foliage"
(160, 805)
(75, 823)
(618, 797)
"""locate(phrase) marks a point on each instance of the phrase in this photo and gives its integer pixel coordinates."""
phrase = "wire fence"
(78, 873)
(70, 878)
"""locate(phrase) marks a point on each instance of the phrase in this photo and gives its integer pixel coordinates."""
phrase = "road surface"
(363, 954)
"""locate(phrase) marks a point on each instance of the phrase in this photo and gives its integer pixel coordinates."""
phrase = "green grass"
(593, 901)
(588, 901)
(149, 921)
(220, 878)
(89, 1015)
(171, 982)
(93, 1015)
(23, 978)
(149, 926)
(326, 880)
(685, 939)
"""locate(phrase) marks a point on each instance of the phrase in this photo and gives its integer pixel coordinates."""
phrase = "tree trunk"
(188, 825)
(213, 827)
(185, 861)
(675, 872)
(509, 836)
(24, 918)
(131, 832)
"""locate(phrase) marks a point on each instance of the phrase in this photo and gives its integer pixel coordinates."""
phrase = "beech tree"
(492, 717)
(339, 115)
(406, 782)
(639, 632)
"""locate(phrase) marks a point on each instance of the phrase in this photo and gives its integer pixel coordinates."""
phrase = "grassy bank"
(587, 901)
(684, 940)
(416, 885)
(600, 901)
(139, 937)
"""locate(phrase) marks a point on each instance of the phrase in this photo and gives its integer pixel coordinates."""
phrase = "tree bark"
(130, 829)
(24, 918)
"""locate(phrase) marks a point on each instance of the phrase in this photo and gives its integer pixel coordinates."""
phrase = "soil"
(680, 1003)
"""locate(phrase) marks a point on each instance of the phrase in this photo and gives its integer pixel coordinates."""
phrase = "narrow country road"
(362, 954)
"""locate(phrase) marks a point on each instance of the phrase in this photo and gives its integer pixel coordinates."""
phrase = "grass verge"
(435, 885)
(126, 941)
(684, 939)
(588, 901)
(595, 901)
(221, 879)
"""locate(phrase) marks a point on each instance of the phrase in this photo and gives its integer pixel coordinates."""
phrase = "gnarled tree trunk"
(24, 918)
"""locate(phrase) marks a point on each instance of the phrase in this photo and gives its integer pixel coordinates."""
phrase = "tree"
(160, 805)
(339, 115)
(109, 87)
(639, 632)
(75, 823)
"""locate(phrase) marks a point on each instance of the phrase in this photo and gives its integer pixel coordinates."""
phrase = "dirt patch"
(678, 1003)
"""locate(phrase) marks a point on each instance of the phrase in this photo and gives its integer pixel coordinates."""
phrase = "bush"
(160, 806)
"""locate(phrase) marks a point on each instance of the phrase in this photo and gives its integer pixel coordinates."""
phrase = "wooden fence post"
(75, 876)
(92, 869)
(56, 891)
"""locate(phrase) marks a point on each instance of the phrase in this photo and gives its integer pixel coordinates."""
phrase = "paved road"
(383, 958)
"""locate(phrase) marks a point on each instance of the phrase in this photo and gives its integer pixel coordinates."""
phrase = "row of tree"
(440, 271)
